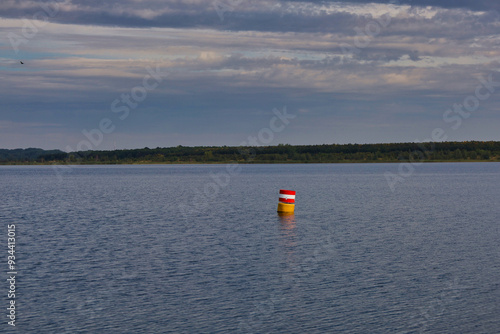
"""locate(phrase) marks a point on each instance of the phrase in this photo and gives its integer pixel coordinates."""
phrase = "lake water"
(201, 249)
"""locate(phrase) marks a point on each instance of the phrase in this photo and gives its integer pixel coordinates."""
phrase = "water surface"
(198, 249)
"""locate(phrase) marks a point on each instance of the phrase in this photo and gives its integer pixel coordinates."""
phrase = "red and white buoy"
(286, 201)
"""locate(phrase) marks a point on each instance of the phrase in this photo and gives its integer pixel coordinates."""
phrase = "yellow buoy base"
(285, 207)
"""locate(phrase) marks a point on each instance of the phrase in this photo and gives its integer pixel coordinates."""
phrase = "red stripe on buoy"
(291, 201)
(287, 192)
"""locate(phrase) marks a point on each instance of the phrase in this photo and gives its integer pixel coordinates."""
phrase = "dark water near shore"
(200, 249)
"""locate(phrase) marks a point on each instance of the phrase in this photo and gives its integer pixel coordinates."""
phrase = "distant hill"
(326, 153)
(25, 155)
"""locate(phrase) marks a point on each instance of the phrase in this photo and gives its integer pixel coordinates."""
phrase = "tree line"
(282, 153)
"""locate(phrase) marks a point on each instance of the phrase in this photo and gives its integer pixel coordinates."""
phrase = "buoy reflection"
(289, 238)
(287, 220)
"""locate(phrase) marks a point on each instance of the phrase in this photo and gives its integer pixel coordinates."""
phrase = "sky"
(130, 74)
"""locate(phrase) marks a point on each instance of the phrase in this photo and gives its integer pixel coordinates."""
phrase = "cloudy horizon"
(130, 74)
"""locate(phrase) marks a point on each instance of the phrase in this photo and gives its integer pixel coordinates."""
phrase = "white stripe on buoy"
(287, 196)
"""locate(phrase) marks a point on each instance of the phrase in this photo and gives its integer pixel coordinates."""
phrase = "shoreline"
(281, 154)
(237, 162)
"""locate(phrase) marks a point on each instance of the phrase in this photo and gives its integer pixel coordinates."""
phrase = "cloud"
(328, 61)
(262, 15)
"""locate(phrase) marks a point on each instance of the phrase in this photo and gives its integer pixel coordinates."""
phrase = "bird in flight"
(21, 62)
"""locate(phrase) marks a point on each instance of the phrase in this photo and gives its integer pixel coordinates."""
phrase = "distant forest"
(283, 153)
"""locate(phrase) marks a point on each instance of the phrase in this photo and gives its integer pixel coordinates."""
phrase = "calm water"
(194, 249)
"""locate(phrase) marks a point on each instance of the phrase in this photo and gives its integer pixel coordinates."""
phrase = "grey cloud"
(259, 15)
(476, 5)
(254, 60)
